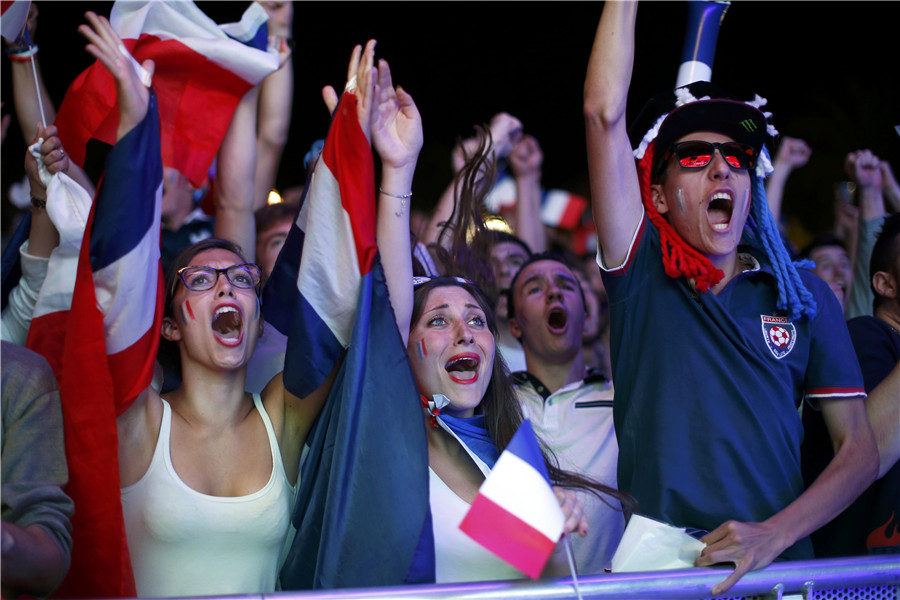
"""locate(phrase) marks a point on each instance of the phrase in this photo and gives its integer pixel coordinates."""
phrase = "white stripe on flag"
(129, 312)
(539, 506)
(329, 275)
(245, 29)
(187, 24)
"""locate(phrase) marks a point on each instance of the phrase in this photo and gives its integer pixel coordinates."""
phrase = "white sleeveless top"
(184, 543)
(457, 557)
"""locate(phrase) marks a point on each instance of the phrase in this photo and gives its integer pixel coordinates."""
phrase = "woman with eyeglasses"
(208, 463)
(207, 470)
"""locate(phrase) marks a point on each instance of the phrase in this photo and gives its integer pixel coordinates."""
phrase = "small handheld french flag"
(516, 514)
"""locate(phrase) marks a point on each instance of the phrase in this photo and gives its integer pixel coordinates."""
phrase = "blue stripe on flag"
(132, 175)
(363, 501)
(524, 444)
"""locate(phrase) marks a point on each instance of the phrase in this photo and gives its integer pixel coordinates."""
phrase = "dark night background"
(828, 69)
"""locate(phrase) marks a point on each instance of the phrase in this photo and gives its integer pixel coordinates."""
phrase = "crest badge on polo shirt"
(780, 335)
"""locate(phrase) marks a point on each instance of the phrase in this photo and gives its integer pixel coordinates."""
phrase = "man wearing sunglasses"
(714, 346)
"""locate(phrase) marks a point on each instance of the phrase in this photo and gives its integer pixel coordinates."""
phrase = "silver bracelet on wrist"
(402, 197)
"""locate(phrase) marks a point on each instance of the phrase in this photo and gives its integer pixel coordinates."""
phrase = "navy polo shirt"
(708, 387)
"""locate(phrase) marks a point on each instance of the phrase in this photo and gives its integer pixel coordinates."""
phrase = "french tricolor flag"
(516, 515)
(202, 71)
(562, 209)
(314, 287)
(101, 334)
(327, 293)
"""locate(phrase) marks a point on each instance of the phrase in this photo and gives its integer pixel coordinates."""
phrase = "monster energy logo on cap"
(748, 125)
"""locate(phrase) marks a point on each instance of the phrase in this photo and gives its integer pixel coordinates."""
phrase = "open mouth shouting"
(719, 211)
(557, 320)
(463, 368)
(227, 325)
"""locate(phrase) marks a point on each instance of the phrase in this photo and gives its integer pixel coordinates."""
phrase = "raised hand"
(106, 46)
(361, 76)
(53, 156)
(792, 154)
(396, 123)
(506, 131)
(864, 168)
(526, 158)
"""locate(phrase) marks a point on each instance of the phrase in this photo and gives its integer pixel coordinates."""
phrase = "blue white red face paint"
(190, 312)
(422, 350)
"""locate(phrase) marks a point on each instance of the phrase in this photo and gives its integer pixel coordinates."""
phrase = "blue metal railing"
(859, 578)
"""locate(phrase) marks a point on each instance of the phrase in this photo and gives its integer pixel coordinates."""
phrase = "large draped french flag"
(362, 506)
(103, 347)
(516, 514)
(314, 287)
(202, 72)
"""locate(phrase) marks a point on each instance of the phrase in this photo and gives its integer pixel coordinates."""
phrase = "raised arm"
(25, 94)
(235, 171)
(865, 170)
(792, 154)
(397, 137)
(42, 239)
(276, 97)
(615, 194)
(526, 159)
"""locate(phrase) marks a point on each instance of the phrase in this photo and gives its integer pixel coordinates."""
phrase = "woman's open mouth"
(463, 368)
(227, 325)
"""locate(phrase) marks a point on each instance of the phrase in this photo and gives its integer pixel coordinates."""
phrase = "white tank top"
(184, 543)
(457, 557)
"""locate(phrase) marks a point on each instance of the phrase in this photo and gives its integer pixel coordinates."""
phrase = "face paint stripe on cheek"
(187, 304)
(423, 351)
(679, 195)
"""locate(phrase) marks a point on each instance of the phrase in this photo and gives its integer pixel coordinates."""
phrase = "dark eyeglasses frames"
(199, 279)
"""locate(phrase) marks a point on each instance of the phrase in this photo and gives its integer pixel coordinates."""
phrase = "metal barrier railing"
(859, 578)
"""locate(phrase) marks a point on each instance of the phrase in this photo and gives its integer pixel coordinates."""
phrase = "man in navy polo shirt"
(713, 346)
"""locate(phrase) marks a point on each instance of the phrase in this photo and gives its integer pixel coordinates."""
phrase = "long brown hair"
(463, 254)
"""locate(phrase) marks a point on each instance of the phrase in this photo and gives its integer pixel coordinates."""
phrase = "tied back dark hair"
(168, 355)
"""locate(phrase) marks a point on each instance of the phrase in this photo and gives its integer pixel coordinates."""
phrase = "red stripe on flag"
(101, 567)
(355, 174)
(572, 214)
(507, 536)
(45, 339)
(196, 97)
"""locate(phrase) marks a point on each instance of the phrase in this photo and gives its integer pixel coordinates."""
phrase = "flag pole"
(37, 88)
(571, 557)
